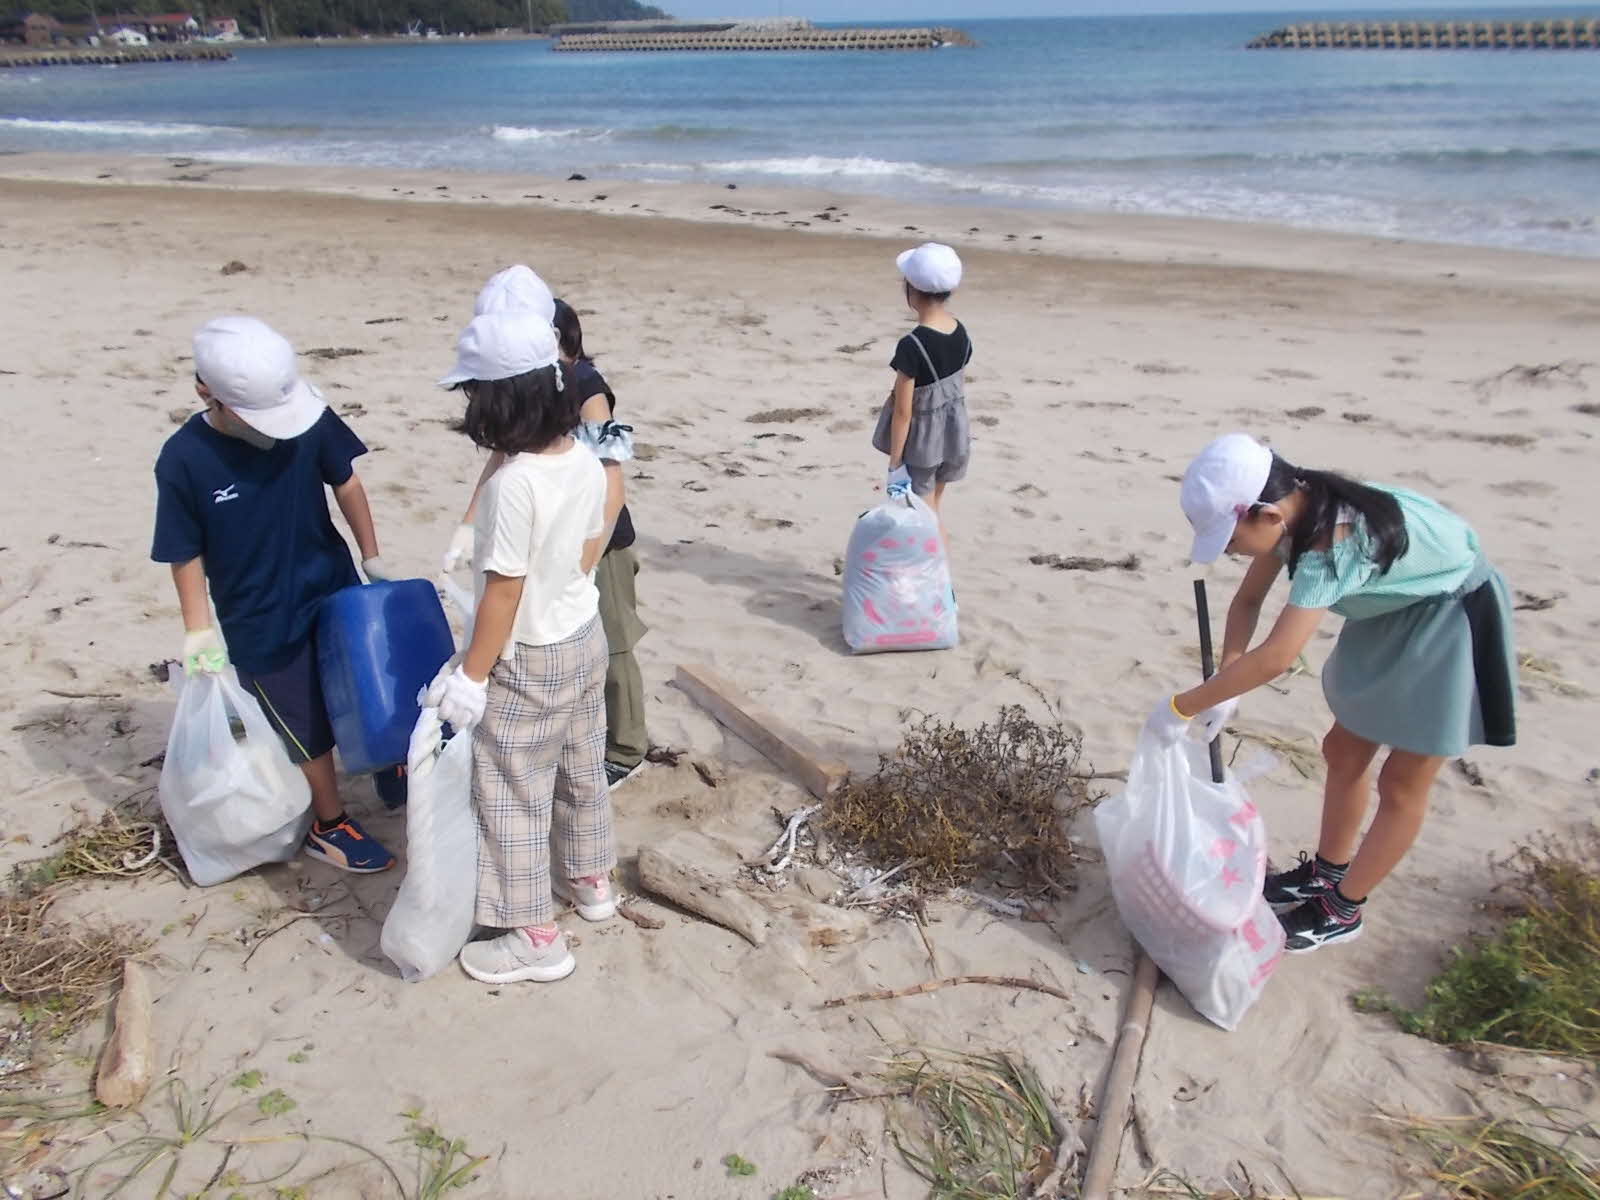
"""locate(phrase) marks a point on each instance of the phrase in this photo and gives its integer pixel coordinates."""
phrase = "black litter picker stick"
(1208, 667)
(1117, 1097)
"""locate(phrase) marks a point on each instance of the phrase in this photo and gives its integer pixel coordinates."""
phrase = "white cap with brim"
(516, 288)
(1219, 487)
(249, 368)
(932, 267)
(503, 345)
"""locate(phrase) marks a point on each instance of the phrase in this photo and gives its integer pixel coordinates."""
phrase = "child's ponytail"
(1328, 492)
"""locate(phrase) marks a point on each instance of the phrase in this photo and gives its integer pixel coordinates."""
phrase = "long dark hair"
(526, 413)
(1326, 493)
(570, 330)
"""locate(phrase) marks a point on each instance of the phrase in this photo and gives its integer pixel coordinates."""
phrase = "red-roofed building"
(158, 27)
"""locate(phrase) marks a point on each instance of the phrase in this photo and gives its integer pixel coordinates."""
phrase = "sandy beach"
(1108, 350)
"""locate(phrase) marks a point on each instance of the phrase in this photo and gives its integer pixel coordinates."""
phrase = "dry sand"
(1108, 351)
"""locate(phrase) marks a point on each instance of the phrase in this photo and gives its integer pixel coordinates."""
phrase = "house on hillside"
(156, 27)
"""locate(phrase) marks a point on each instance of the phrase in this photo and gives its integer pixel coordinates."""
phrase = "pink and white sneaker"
(519, 956)
(592, 895)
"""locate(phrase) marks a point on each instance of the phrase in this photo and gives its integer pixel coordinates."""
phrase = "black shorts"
(291, 698)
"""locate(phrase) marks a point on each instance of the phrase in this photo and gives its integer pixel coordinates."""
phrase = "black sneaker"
(390, 784)
(617, 774)
(1296, 885)
(1314, 925)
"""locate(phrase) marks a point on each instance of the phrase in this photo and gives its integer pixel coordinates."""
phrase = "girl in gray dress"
(923, 426)
(1424, 663)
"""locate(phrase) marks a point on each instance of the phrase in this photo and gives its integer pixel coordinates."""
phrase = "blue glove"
(898, 483)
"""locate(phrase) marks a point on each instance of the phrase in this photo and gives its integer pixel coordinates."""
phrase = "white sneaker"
(514, 957)
(593, 897)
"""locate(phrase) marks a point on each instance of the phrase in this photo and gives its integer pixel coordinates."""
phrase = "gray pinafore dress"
(940, 435)
(1426, 661)
(1434, 677)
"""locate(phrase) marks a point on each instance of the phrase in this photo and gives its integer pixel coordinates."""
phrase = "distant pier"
(1556, 33)
(112, 56)
(764, 39)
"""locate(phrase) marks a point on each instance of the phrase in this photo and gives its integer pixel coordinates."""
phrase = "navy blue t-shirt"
(260, 519)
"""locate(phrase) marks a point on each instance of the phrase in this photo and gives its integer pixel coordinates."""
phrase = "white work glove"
(1215, 719)
(203, 653)
(898, 483)
(1165, 724)
(375, 570)
(462, 544)
(459, 699)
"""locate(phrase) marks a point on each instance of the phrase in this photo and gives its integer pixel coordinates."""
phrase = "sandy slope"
(1108, 352)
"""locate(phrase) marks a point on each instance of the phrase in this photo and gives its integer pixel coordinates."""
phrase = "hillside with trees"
(612, 10)
(352, 18)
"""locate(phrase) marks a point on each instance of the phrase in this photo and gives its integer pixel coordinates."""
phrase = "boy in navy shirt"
(241, 506)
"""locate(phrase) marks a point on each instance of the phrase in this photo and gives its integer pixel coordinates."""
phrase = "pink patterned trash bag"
(897, 581)
(1187, 858)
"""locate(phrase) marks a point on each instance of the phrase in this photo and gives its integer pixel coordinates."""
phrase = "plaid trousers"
(539, 778)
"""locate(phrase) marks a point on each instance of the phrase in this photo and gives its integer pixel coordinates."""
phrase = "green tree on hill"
(613, 10)
(326, 18)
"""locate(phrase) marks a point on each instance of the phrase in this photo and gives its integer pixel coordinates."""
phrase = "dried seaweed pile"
(58, 971)
(958, 806)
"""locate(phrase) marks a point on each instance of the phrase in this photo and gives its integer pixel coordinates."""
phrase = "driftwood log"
(127, 1064)
(687, 870)
(814, 768)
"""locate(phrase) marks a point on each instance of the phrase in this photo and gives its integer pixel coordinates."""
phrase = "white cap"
(249, 367)
(931, 267)
(502, 345)
(516, 288)
(1219, 487)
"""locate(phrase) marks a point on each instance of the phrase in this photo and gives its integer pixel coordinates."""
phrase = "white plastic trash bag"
(432, 916)
(897, 581)
(232, 805)
(1187, 858)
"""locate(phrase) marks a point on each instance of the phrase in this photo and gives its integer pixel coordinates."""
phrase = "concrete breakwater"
(1555, 33)
(106, 56)
(767, 39)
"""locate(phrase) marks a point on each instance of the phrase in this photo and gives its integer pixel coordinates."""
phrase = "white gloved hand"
(898, 483)
(203, 653)
(1165, 724)
(375, 570)
(459, 698)
(463, 542)
(424, 754)
(1215, 719)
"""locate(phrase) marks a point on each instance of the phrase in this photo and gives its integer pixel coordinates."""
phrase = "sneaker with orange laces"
(347, 846)
(591, 895)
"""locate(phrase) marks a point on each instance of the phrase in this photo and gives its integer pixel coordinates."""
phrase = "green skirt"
(1432, 678)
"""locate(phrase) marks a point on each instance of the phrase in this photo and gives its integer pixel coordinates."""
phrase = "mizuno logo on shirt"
(222, 495)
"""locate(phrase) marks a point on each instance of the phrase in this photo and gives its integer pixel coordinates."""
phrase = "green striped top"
(1442, 553)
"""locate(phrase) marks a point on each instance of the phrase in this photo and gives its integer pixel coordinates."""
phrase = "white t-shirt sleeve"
(507, 535)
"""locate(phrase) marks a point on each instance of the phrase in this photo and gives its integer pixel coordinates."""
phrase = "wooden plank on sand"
(782, 743)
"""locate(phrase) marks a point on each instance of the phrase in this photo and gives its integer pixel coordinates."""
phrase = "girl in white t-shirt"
(531, 685)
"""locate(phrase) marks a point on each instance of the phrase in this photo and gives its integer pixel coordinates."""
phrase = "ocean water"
(1165, 115)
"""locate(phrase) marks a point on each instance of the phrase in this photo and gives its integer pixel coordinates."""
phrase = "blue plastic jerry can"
(378, 645)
